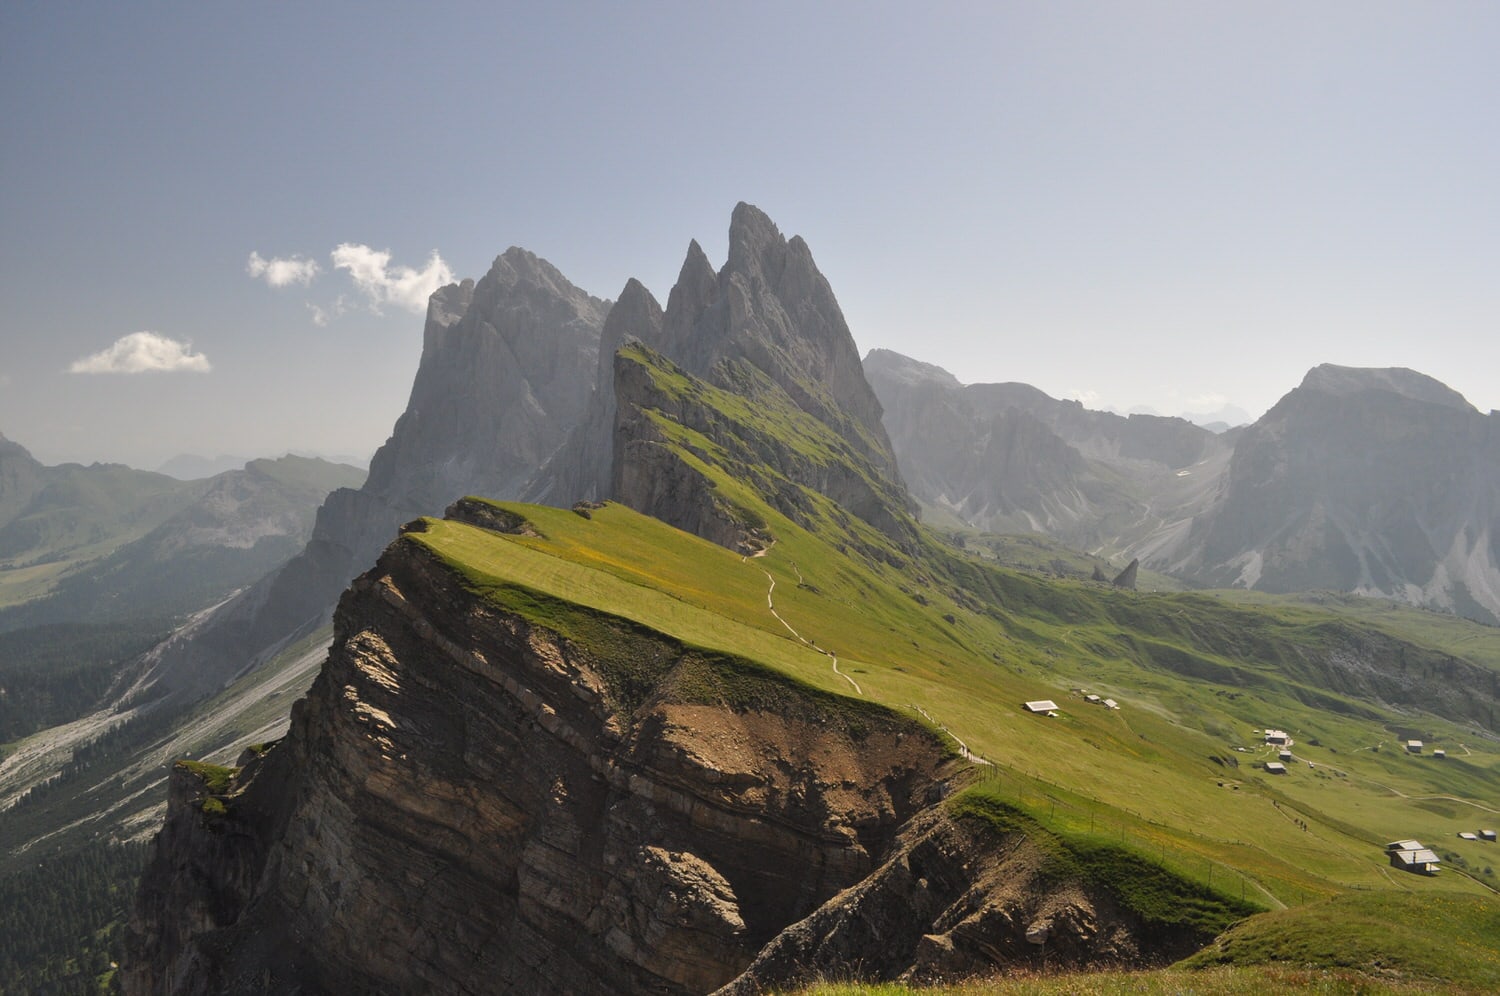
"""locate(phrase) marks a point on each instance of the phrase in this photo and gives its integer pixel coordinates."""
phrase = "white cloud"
(143, 352)
(280, 272)
(321, 316)
(382, 283)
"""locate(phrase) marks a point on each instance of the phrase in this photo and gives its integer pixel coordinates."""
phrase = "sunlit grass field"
(1174, 775)
(1144, 773)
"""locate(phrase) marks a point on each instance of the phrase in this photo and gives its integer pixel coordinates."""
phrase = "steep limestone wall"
(469, 802)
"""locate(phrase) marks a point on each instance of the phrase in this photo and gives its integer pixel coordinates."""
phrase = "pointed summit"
(696, 290)
(506, 372)
(777, 312)
(636, 315)
(753, 238)
(498, 388)
(580, 469)
(767, 323)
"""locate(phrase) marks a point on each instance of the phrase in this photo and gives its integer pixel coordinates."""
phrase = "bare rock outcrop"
(768, 310)
(1375, 481)
(507, 370)
(468, 802)
(1009, 458)
(954, 900)
(580, 470)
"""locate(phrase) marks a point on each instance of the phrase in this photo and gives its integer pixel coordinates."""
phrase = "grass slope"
(1174, 777)
(1145, 772)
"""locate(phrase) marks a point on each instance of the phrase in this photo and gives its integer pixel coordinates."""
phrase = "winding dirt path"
(771, 604)
(963, 748)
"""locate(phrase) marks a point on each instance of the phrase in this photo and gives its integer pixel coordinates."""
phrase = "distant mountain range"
(577, 748)
(107, 542)
(195, 467)
(1007, 458)
(1381, 482)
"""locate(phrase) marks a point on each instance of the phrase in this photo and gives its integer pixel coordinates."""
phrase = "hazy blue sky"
(1163, 204)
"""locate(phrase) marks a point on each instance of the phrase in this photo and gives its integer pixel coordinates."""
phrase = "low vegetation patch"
(216, 780)
(1408, 937)
(1157, 895)
(1220, 981)
(638, 662)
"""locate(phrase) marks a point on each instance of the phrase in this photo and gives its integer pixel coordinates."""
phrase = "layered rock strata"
(468, 802)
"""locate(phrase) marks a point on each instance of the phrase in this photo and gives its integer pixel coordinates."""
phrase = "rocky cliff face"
(1382, 482)
(1008, 458)
(580, 470)
(767, 321)
(507, 370)
(467, 802)
(754, 433)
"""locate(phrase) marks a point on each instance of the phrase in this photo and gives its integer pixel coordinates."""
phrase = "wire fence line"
(1105, 823)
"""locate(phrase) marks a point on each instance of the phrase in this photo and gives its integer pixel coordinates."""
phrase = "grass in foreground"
(1449, 936)
(1220, 981)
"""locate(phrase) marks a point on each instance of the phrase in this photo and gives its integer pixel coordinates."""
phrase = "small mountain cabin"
(1410, 855)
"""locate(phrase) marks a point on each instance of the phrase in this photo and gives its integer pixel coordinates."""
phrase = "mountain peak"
(635, 315)
(697, 275)
(1329, 378)
(903, 369)
(752, 236)
(12, 448)
(517, 267)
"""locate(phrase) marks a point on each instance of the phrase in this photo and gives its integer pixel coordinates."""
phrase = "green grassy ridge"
(1443, 632)
(698, 572)
(1198, 637)
(753, 398)
(641, 662)
(1137, 881)
(1444, 936)
(687, 585)
(764, 439)
(967, 641)
(1223, 980)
